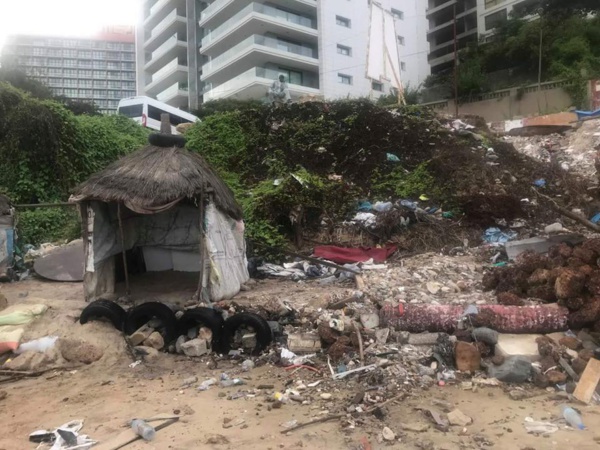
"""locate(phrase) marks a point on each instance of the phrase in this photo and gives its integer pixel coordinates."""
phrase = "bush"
(36, 226)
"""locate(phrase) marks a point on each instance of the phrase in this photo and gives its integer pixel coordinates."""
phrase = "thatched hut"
(154, 202)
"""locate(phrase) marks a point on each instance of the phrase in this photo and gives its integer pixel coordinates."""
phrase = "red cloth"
(343, 255)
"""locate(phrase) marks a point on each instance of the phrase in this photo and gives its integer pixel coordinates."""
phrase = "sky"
(64, 17)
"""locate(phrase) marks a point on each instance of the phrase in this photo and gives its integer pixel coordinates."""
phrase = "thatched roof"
(156, 176)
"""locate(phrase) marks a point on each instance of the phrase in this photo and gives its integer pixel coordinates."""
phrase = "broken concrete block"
(382, 335)
(369, 320)
(457, 417)
(180, 341)
(515, 369)
(141, 335)
(523, 345)
(304, 343)
(195, 347)
(467, 356)
(423, 338)
(155, 340)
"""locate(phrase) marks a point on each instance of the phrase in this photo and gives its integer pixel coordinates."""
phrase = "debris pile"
(567, 275)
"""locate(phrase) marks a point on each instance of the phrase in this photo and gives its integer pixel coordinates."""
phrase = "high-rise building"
(462, 22)
(190, 51)
(99, 69)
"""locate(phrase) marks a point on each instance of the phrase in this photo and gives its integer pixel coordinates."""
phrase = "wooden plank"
(360, 282)
(128, 436)
(588, 382)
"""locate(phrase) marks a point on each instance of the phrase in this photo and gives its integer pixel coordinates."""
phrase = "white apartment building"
(191, 51)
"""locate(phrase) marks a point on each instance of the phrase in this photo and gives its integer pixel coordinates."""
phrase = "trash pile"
(567, 275)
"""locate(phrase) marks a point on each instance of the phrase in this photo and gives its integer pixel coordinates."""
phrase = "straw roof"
(156, 176)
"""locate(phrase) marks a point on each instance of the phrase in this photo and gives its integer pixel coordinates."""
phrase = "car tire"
(264, 336)
(164, 140)
(142, 314)
(206, 317)
(104, 309)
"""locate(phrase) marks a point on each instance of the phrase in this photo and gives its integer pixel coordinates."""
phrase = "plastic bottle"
(572, 417)
(143, 429)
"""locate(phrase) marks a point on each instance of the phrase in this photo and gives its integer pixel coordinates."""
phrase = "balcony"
(175, 95)
(255, 83)
(170, 25)
(450, 21)
(173, 72)
(160, 9)
(220, 10)
(253, 19)
(172, 48)
(260, 50)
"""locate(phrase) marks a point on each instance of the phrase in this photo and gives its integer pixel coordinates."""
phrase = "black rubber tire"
(104, 309)
(264, 336)
(141, 314)
(207, 317)
(165, 140)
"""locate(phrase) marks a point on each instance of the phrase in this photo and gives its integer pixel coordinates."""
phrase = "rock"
(148, 354)
(180, 341)
(433, 287)
(187, 382)
(3, 395)
(382, 335)
(325, 396)
(467, 357)
(415, 427)
(541, 380)
(304, 342)
(192, 333)
(32, 361)
(486, 335)
(546, 346)
(249, 341)
(216, 439)
(515, 369)
(423, 338)
(556, 377)
(155, 340)
(457, 417)
(195, 347)
(205, 334)
(369, 320)
(387, 434)
(556, 227)
(498, 359)
(571, 342)
(74, 350)
(141, 335)
(579, 365)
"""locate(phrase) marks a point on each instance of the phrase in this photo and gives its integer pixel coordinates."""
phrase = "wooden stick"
(201, 250)
(312, 422)
(571, 215)
(360, 344)
(44, 205)
(397, 397)
(123, 249)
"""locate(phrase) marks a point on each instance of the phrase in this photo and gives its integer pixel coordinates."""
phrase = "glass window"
(129, 84)
(70, 53)
(57, 91)
(85, 83)
(401, 40)
(128, 47)
(99, 74)
(113, 104)
(376, 86)
(112, 45)
(70, 43)
(85, 54)
(114, 84)
(114, 75)
(71, 92)
(54, 52)
(291, 76)
(114, 65)
(70, 72)
(398, 14)
(343, 50)
(342, 21)
(403, 66)
(70, 63)
(99, 93)
(100, 83)
(37, 51)
(128, 94)
(344, 79)
(154, 113)
(55, 71)
(127, 56)
(70, 82)
(97, 54)
(127, 66)
(495, 19)
(132, 110)
(129, 76)
(55, 82)
(85, 73)
(99, 64)
(85, 63)
(114, 94)
(38, 61)
(113, 55)
(491, 3)
(85, 93)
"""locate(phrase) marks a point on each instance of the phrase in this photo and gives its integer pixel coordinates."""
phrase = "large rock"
(148, 354)
(32, 361)
(467, 357)
(486, 335)
(155, 340)
(516, 369)
(74, 350)
(141, 335)
(457, 417)
(195, 347)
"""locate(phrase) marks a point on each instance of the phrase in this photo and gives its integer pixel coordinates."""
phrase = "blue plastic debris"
(393, 158)
(364, 206)
(408, 204)
(540, 183)
(596, 218)
(495, 235)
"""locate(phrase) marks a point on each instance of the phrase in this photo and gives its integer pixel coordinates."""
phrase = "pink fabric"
(344, 255)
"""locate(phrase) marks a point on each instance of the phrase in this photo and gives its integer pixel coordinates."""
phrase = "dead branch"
(312, 422)
(565, 212)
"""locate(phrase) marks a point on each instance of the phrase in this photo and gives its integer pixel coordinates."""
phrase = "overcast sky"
(64, 17)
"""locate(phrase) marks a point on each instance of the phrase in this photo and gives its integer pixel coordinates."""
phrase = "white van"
(146, 111)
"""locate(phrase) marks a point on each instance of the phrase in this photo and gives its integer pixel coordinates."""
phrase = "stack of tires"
(226, 334)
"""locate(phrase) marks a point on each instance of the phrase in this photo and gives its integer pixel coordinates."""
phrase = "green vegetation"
(46, 150)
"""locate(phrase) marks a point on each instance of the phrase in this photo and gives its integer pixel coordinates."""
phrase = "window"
(403, 66)
(54, 52)
(128, 47)
(85, 63)
(491, 3)
(85, 54)
(85, 83)
(376, 86)
(114, 84)
(154, 113)
(493, 20)
(132, 110)
(70, 82)
(127, 56)
(57, 91)
(99, 93)
(99, 73)
(100, 83)
(113, 55)
(99, 64)
(128, 85)
(397, 14)
(112, 45)
(344, 79)
(57, 82)
(98, 44)
(85, 74)
(114, 94)
(342, 21)
(291, 76)
(114, 75)
(127, 66)
(343, 50)
(86, 93)
(114, 65)
(55, 71)
(401, 40)
(70, 63)
(129, 76)
(54, 62)
(70, 53)
(98, 54)
(71, 92)
(39, 51)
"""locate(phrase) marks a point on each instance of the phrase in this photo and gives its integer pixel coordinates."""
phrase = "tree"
(79, 107)
(20, 80)
(559, 7)
(226, 105)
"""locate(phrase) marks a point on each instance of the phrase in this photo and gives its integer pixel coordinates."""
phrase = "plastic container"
(234, 382)
(143, 429)
(572, 417)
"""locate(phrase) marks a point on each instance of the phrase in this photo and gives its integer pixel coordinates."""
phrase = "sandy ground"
(108, 393)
